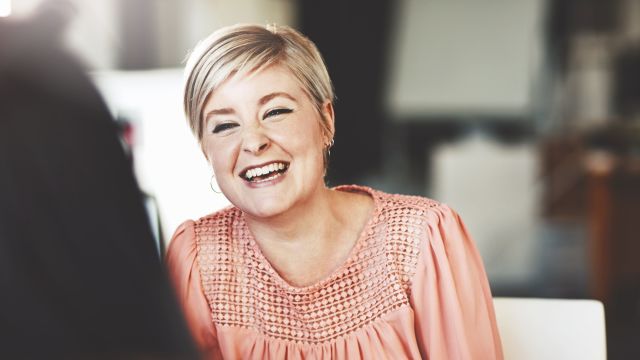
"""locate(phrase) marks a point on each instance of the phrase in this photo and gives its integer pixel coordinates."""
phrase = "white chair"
(551, 329)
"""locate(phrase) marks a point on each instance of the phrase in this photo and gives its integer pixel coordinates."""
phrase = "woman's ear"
(329, 116)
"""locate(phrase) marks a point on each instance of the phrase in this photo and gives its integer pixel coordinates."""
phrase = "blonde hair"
(243, 49)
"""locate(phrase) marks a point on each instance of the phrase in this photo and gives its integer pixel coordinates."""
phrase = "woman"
(297, 270)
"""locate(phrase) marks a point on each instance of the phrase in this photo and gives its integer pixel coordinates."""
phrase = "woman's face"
(264, 141)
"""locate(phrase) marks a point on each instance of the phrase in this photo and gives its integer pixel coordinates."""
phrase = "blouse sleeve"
(450, 296)
(185, 276)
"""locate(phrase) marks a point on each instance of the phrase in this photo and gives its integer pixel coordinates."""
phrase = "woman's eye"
(222, 127)
(276, 112)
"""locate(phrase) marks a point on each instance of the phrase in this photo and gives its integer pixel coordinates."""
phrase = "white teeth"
(264, 170)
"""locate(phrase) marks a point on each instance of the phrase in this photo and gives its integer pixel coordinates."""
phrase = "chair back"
(551, 328)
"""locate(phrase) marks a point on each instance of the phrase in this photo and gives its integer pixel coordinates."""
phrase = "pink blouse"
(412, 287)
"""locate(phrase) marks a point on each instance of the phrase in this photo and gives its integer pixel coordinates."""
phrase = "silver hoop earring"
(329, 146)
(211, 185)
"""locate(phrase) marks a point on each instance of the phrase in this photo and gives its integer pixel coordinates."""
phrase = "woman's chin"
(272, 201)
(266, 209)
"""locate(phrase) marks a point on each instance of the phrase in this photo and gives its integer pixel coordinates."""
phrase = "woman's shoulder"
(396, 203)
(408, 204)
(185, 236)
(412, 211)
(221, 218)
(413, 221)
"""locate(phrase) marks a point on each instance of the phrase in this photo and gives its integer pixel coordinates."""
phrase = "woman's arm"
(450, 295)
(183, 271)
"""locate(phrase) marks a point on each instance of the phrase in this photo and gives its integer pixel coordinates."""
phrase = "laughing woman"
(294, 269)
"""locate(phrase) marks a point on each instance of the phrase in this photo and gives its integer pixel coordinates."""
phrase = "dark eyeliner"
(276, 112)
(222, 127)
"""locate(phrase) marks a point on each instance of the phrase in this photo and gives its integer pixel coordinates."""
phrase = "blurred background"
(523, 115)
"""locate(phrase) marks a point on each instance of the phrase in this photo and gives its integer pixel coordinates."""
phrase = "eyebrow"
(263, 100)
(224, 111)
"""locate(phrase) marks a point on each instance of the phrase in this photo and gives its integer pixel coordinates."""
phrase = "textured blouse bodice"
(404, 291)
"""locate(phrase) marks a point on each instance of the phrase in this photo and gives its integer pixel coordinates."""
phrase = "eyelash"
(223, 127)
(276, 112)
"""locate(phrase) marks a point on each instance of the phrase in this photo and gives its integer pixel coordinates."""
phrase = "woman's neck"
(305, 246)
(311, 218)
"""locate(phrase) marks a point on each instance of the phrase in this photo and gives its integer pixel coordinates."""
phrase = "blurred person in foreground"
(79, 273)
(294, 269)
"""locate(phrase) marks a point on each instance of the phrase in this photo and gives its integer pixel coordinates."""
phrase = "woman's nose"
(255, 141)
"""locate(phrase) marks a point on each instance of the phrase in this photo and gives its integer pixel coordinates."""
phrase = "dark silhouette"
(79, 271)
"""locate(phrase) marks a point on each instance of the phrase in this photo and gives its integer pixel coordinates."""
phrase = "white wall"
(92, 33)
(465, 56)
(496, 190)
(168, 160)
(198, 18)
(5, 8)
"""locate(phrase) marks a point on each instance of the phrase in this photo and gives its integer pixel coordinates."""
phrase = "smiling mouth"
(263, 173)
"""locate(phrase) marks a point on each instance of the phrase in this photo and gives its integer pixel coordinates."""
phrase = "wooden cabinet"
(614, 225)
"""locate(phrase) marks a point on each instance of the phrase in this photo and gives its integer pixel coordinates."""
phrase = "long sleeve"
(184, 273)
(450, 296)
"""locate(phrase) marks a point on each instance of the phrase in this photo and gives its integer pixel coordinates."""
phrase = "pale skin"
(303, 228)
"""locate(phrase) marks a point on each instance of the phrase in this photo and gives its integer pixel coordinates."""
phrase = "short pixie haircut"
(244, 49)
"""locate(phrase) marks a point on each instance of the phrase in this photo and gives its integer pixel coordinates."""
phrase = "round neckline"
(338, 271)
